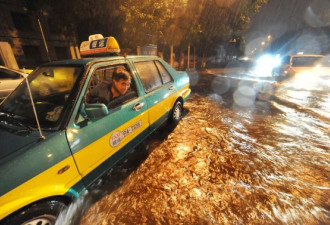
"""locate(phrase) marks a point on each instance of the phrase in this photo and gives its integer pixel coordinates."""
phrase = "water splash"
(73, 213)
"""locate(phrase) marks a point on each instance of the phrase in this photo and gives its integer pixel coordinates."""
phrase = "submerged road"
(231, 160)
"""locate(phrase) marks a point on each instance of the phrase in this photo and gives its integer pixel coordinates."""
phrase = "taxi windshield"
(51, 88)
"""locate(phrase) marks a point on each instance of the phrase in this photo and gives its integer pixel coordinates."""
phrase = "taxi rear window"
(152, 74)
(163, 73)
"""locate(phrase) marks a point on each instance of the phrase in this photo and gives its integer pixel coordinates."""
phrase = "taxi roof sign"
(95, 37)
(98, 45)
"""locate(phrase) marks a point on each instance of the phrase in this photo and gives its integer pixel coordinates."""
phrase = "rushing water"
(265, 163)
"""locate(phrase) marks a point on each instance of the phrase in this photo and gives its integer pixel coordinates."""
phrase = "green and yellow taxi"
(55, 142)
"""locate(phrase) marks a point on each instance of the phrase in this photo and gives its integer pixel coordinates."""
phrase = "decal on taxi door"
(117, 136)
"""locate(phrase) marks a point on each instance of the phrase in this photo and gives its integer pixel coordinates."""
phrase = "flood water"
(231, 160)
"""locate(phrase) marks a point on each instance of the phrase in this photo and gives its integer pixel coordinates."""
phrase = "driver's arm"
(92, 93)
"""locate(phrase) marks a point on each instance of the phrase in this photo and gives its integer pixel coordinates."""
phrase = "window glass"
(149, 75)
(305, 61)
(101, 83)
(51, 88)
(99, 91)
(21, 21)
(8, 74)
(53, 80)
(166, 77)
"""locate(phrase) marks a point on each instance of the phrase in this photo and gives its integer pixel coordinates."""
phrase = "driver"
(105, 93)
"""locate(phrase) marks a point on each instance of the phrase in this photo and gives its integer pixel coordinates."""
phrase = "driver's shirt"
(101, 93)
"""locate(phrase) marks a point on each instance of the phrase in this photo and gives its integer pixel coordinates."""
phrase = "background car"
(294, 64)
(9, 79)
(295, 71)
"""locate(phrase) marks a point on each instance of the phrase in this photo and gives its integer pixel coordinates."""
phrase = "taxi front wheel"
(176, 112)
(38, 214)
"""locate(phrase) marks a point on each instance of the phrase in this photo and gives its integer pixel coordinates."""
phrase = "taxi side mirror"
(96, 110)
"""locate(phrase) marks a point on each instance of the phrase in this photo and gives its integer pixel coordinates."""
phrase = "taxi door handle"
(138, 106)
(171, 88)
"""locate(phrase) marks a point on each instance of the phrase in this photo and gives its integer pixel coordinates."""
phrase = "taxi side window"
(152, 74)
(97, 102)
(101, 82)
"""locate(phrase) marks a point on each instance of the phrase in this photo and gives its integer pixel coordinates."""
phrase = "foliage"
(145, 20)
(219, 20)
(202, 23)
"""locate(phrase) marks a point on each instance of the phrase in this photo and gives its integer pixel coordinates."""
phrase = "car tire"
(176, 113)
(43, 213)
(266, 92)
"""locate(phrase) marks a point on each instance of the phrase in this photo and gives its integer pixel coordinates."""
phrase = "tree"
(219, 20)
(145, 21)
(203, 23)
(89, 17)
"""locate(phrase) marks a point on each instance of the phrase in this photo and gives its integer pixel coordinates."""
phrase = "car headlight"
(266, 64)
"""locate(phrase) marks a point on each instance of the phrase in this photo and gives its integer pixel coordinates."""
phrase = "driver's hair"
(121, 74)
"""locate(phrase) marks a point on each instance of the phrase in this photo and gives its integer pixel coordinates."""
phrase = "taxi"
(55, 142)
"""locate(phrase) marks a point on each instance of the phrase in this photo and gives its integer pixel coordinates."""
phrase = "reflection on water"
(309, 92)
(292, 157)
(264, 164)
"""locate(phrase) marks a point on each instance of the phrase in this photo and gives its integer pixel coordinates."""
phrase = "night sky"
(280, 16)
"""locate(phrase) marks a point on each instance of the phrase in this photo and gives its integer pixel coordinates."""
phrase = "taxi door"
(159, 88)
(98, 140)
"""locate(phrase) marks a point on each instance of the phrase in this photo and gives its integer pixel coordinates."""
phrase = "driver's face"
(122, 86)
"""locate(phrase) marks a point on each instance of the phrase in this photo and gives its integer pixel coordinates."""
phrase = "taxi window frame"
(89, 80)
(133, 86)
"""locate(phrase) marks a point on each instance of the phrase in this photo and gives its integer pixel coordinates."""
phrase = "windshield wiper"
(10, 118)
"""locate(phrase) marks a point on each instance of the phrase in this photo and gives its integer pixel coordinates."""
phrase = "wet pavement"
(231, 160)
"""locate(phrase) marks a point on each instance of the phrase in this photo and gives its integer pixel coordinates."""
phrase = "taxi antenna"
(42, 137)
(44, 39)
